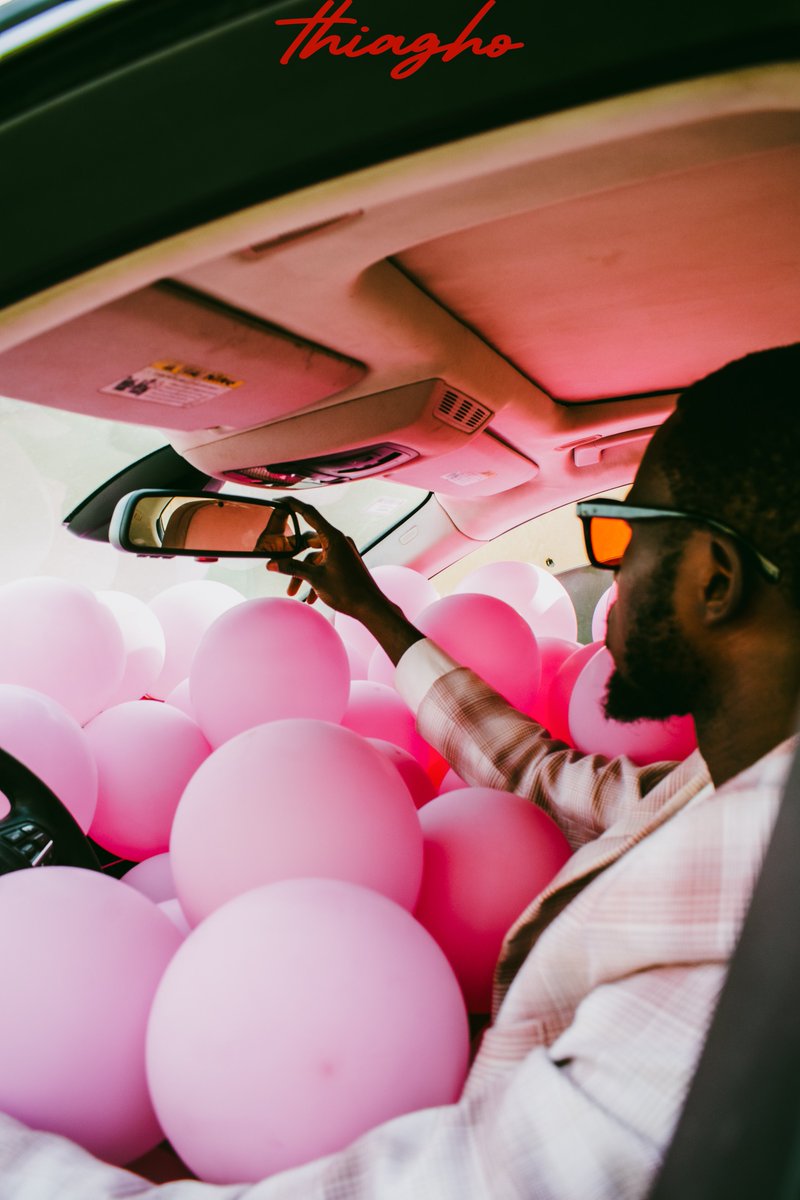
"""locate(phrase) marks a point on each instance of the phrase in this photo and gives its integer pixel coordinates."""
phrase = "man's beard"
(660, 676)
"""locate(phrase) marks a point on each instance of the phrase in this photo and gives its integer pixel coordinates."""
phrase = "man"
(607, 982)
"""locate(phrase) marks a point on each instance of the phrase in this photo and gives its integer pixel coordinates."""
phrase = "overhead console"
(427, 434)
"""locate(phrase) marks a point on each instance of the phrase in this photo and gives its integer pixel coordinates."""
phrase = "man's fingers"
(299, 568)
(311, 515)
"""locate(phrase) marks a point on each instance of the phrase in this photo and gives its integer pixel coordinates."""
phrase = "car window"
(553, 541)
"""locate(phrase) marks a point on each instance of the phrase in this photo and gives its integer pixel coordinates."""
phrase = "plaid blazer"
(604, 991)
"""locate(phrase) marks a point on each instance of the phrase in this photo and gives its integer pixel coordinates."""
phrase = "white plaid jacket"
(600, 1014)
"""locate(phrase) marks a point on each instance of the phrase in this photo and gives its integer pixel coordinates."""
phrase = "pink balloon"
(359, 664)
(266, 660)
(554, 652)
(146, 753)
(600, 615)
(173, 910)
(375, 710)
(179, 698)
(531, 591)
(380, 668)
(485, 633)
(487, 855)
(642, 741)
(60, 640)
(451, 783)
(186, 611)
(358, 641)
(144, 643)
(87, 955)
(417, 780)
(294, 1019)
(556, 703)
(292, 798)
(153, 878)
(408, 589)
(51, 743)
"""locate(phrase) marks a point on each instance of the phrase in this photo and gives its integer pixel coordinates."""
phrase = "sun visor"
(169, 357)
(427, 434)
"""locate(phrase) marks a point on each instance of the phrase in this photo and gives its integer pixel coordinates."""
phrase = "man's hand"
(337, 574)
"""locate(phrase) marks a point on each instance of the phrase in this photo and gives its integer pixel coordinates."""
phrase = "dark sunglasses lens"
(609, 539)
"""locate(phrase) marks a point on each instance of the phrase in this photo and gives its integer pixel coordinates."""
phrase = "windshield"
(23, 22)
(52, 459)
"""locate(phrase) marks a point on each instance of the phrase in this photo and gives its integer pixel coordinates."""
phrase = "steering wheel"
(38, 830)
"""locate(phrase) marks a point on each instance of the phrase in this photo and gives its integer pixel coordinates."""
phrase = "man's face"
(657, 674)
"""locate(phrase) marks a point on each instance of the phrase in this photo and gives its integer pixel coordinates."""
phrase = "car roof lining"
(325, 265)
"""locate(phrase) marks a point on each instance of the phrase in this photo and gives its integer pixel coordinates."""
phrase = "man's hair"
(732, 451)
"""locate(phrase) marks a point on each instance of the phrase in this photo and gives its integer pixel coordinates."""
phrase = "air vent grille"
(461, 411)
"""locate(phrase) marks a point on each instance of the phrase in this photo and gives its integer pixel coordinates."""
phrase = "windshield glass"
(23, 22)
(53, 459)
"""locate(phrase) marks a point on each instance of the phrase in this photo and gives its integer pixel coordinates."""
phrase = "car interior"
(442, 309)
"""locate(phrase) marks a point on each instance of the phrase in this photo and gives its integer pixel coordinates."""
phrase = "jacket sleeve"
(489, 744)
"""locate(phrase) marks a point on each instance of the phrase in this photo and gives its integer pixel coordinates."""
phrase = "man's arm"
(488, 743)
(337, 574)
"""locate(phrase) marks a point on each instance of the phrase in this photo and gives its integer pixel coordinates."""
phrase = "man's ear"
(725, 586)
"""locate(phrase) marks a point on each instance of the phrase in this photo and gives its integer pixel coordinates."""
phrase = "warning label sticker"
(467, 478)
(174, 383)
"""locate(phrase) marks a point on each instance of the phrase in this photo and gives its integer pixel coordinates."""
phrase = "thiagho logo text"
(316, 34)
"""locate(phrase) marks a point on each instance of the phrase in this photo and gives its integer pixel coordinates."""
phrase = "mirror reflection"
(210, 525)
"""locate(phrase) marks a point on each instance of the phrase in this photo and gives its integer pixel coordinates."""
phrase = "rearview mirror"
(204, 525)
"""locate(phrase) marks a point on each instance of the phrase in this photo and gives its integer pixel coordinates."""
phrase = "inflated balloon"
(641, 741)
(359, 665)
(555, 716)
(375, 710)
(51, 743)
(531, 591)
(553, 653)
(186, 611)
(485, 633)
(451, 782)
(87, 954)
(600, 615)
(292, 798)
(294, 1019)
(172, 909)
(146, 753)
(358, 641)
(59, 639)
(153, 878)
(408, 589)
(417, 780)
(179, 698)
(266, 660)
(144, 642)
(488, 853)
(380, 668)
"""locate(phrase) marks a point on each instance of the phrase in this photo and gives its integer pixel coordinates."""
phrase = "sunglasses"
(607, 531)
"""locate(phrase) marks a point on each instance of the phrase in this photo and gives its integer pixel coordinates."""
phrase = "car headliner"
(358, 234)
